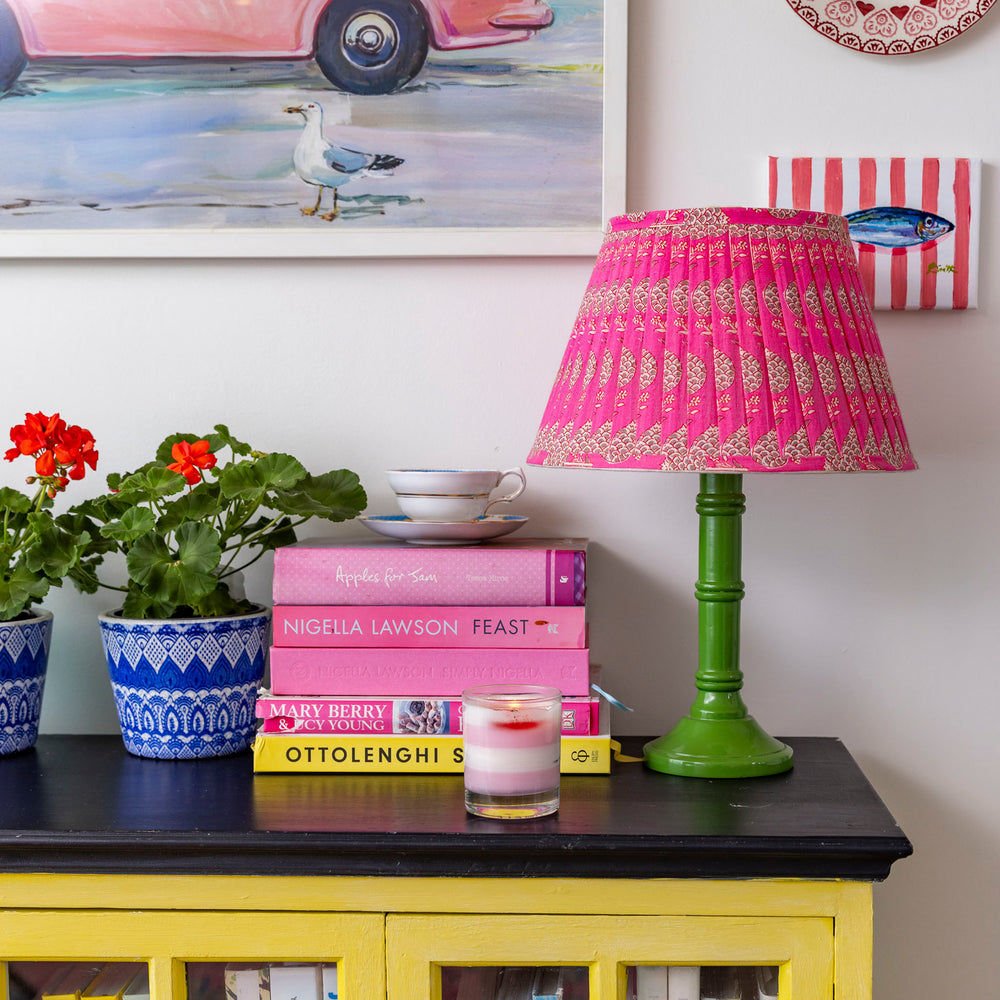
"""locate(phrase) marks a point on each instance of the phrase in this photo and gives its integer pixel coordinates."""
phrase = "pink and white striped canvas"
(913, 221)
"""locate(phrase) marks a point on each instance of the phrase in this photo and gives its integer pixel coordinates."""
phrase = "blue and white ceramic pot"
(186, 687)
(24, 657)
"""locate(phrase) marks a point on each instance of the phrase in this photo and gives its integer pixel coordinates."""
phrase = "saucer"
(443, 532)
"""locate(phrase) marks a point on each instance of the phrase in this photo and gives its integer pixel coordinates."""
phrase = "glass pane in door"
(94, 980)
(514, 982)
(262, 980)
(706, 982)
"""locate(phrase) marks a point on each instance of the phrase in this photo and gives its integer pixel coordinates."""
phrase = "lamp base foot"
(718, 748)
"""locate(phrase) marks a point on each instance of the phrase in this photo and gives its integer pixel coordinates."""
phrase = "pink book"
(386, 672)
(529, 572)
(433, 625)
(404, 716)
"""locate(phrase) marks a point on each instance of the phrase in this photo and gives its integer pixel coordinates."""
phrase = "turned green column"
(718, 738)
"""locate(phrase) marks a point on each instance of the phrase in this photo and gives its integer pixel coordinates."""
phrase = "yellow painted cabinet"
(412, 938)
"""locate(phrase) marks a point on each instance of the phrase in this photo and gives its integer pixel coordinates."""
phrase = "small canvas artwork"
(914, 221)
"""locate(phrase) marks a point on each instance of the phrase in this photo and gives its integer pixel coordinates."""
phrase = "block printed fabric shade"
(937, 268)
(724, 339)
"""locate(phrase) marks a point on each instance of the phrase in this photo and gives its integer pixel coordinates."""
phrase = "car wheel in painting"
(371, 46)
(12, 59)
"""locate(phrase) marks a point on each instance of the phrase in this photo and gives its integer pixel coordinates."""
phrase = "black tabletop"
(81, 804)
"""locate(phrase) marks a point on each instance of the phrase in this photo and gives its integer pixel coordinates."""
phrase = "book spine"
(416, 754)
(386, 672)
(400, 716)
(475, 575)
(537, 627)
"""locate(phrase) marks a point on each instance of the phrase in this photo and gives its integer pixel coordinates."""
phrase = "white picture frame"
(299, 240)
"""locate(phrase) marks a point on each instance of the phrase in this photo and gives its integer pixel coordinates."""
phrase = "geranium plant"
(37, 548)
(202, 511)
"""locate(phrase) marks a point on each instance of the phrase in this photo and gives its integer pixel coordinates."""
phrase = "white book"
(652, 982)
(329, 982)
(247, 981)
(296, 982)
(685, 982)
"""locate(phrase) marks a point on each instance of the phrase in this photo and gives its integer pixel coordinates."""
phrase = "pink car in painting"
(363, 46)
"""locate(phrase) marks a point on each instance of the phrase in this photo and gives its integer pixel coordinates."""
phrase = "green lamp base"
(718, 748)
(718, 738)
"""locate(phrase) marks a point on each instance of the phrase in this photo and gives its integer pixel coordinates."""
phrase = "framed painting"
(230, 128)
(914, 221)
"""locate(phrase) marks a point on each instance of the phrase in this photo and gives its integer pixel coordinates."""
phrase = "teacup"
(450, 494)
(451, 482)
(428, 507)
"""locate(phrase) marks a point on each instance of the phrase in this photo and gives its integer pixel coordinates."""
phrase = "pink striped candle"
(511, 750)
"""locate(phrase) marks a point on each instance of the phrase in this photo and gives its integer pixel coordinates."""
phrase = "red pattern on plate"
(891, 28)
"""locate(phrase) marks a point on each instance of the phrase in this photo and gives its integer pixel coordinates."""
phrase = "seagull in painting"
(326, 165)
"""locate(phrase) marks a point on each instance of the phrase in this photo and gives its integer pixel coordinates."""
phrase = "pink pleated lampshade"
(724, 339)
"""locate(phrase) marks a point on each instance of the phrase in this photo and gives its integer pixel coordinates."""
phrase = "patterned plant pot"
(186, 687)
(24, 657)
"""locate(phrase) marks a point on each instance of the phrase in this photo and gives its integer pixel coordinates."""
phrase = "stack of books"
(374, 642)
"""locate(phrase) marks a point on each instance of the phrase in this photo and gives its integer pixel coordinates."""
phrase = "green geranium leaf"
(134, 523)
(53, 552)
(150, 484)
(178, 577)
(241, 482)
(101, 509)
(249, 481)
(226, 439)
(280, 472)
(19, 589)
(84, 576)
(220, 602)
(280, 533)
(336, 496)
(77, 523)
(14, 501)
(138, 604)
(201, 504)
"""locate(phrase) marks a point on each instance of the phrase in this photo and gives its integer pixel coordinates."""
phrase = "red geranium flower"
(189, 458)
(59, 450)
(76, 451)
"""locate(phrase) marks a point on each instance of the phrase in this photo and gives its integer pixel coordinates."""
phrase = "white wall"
(871, 606)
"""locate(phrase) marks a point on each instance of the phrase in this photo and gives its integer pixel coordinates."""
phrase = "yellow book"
(332, 754)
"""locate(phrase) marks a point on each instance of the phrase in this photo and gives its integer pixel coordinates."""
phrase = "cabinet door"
(174, 942)
(418, 948)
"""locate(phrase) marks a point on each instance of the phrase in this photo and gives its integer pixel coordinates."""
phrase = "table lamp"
(722, 341)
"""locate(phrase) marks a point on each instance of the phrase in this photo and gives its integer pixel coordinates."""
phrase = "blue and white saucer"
(443, 532)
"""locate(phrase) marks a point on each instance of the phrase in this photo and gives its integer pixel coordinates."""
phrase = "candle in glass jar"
(511, 739)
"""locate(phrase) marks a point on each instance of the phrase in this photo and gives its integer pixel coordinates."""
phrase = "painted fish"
(887, 226)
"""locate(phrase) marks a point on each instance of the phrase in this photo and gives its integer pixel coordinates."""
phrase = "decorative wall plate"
(888, 28)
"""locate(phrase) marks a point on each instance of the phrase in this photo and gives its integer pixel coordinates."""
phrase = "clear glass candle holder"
(510, 736)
